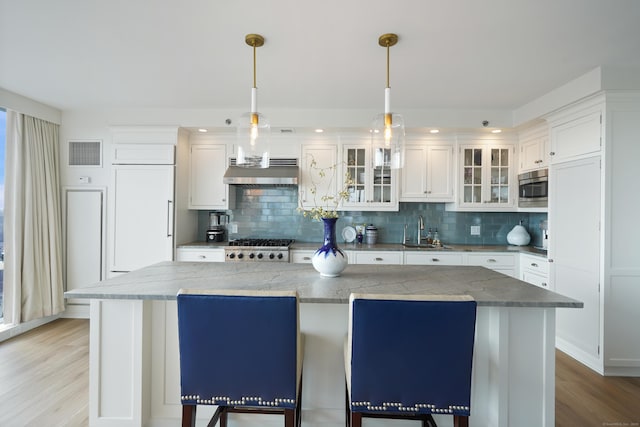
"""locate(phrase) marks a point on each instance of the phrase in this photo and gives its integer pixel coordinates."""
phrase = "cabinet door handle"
(553, 153)
(169, 204)
(435, 260)
(203, 257)
(533, 264)
(378, 259)
(544, 284)
(550, 260)
(306, 258)
(224, 200)
(491, 260)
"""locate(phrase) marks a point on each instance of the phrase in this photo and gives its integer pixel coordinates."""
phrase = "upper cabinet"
(576, 135)
(207, 165)
(427, 175)
(372, 189)
(316, 160)
(487, 178)
(534, 148)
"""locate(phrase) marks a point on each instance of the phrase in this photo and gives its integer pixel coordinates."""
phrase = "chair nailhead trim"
(243, 401)
(418, 407)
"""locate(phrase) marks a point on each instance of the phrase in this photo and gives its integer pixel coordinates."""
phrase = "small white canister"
(371, 234)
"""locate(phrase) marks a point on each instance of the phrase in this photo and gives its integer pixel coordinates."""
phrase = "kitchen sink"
(428, 247)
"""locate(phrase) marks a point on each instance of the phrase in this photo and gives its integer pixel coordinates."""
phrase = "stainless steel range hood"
(279, 172)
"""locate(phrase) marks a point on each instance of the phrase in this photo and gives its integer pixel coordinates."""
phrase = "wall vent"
(85, 153)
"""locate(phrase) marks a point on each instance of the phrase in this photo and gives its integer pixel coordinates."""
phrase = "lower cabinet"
(534, 270)
(433, 258)
(501, 262)
(301, 256)
(376, 257)
(200, 255)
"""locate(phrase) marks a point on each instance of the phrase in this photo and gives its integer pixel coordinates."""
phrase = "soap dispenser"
(518, 236)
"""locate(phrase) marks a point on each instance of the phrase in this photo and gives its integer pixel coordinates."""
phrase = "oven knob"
(240, 255)
(232, 255)
(260, 256)
(280, 256)
(252, 255)
(271, 256)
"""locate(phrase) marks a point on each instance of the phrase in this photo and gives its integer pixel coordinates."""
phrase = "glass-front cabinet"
(370, 188)
(488, 175)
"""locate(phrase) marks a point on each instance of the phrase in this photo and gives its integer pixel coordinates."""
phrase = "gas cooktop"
(243, 250)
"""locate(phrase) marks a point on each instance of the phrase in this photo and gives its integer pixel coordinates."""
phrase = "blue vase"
(329, 260)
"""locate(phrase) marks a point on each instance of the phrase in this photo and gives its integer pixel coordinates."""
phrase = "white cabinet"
(373, 189)
(200, 254)
(487, 178)
(376, 257)
(576, 136)
(574, 229)
(318, 160)
(301, 256)
(501, 262)
(428, 174)
(207, 165)
(534, 270)
(142, 216)
(433, 258)
(534, 153)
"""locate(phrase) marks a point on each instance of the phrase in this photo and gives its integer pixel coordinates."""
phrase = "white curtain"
(33, 230)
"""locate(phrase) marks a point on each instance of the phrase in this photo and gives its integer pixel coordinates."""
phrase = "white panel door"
(574, 233)
(83, 237)
(142, 219)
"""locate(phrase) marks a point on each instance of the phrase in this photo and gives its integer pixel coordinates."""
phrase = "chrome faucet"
(420, 230)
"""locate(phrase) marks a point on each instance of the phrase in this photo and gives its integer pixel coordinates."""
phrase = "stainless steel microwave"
(533, 189)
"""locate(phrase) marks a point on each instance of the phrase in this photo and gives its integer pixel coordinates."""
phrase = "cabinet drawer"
(378, 257)
(301, 257)
(492, 260)
(534, 264)
(432, 258)
(539, 280)
(200, 255)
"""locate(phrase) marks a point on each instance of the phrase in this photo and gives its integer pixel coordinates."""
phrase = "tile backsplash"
(272, 212)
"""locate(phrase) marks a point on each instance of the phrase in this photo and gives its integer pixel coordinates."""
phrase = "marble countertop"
(163, 280)
(392, 247)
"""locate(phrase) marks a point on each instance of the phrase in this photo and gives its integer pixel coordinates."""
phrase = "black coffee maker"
(217, 231)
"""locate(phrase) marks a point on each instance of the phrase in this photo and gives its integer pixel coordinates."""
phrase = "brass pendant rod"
(254, 66)
(388, 66)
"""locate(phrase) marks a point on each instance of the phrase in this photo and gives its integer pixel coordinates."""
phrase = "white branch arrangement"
(325, 205)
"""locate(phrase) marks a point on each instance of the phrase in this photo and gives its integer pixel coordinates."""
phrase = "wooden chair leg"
(188, 415)
(289, 418)
(356, 419)
(429, 421)
(460, 421)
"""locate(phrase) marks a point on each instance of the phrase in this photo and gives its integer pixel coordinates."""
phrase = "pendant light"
(253, 129)
(387, 133)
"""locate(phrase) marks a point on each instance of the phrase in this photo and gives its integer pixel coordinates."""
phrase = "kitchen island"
(134, 365)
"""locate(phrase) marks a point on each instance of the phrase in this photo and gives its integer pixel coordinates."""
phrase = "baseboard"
(76, 311)
(580, 355)
(11, 330)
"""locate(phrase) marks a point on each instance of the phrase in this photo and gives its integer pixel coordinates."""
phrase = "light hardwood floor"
(44, 382)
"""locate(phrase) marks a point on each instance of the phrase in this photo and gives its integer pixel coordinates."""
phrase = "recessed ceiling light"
(319, 130)
(435, 131)
(496, 131)
(202, 130)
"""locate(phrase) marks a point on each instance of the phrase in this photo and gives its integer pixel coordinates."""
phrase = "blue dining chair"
(409, 357)
(241, 351)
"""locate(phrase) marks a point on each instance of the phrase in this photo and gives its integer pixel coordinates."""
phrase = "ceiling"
(191, 54)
